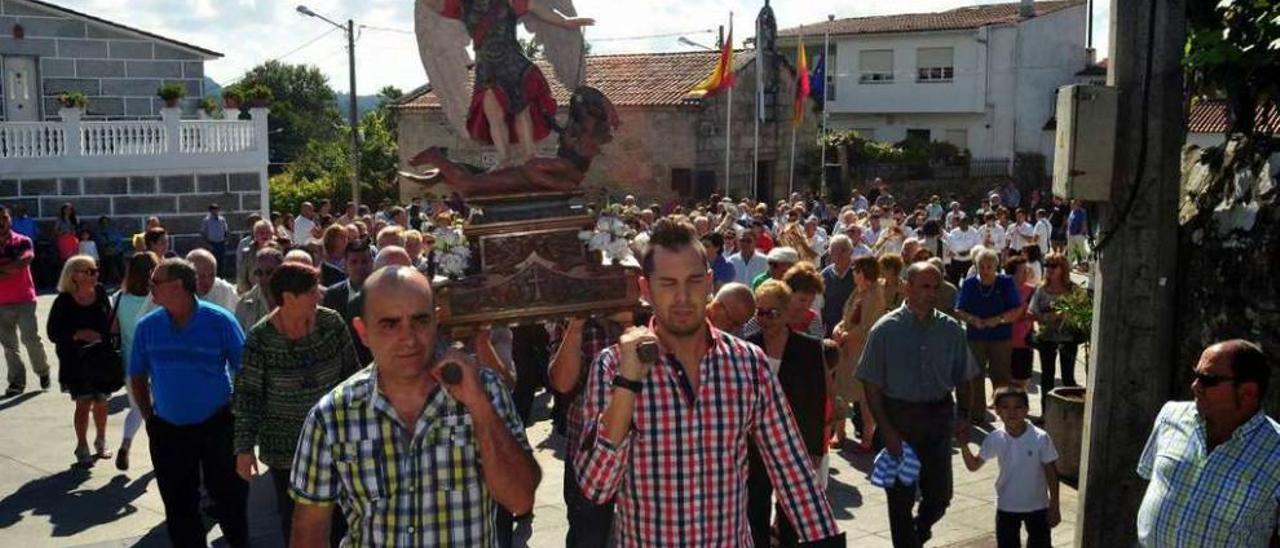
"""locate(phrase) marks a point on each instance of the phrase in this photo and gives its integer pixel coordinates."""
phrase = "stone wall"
(1229, 245)
(180, 201)
(119, 71)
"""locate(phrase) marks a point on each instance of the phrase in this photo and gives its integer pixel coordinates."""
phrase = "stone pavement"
(44, 501)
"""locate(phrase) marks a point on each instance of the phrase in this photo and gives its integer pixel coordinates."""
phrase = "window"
(875, 66)
(957, 137)
(934, 65)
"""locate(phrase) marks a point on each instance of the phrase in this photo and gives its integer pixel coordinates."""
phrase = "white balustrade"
(32, 140)
(122, 138)
(216, 136)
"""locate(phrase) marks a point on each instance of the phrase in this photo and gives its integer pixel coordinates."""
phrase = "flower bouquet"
(611, 237)
(453, 251)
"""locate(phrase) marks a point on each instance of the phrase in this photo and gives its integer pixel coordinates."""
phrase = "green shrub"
(172, 92)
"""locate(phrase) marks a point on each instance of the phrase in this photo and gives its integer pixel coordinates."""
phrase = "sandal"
(83, 457)
(100, 446)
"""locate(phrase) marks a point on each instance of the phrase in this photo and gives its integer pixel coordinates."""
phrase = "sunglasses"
(89, 271)
(1208, 380)
(768, 312)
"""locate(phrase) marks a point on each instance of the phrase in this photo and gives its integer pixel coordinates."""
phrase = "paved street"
(47, 502)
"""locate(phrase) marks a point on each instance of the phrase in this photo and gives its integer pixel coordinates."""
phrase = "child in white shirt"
(1027, 486)
(87, 245)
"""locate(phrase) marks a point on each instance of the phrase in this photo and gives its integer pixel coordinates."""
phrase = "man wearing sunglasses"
(1214, 464)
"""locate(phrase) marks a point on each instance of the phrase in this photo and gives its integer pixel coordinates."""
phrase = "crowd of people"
(320, 356)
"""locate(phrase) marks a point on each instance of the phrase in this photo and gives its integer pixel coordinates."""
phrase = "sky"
(250, 32)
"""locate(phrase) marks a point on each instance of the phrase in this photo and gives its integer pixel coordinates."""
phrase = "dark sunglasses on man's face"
(1208, 380)
(768, 312)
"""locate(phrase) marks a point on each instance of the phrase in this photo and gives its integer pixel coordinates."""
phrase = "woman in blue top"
(129, 302)
(988, 304)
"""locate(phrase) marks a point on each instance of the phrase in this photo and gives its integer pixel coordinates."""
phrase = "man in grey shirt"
(914, 357)
(214, 231)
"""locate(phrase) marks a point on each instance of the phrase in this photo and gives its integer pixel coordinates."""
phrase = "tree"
(303, 109)
(1233, 53)
(531, 48)
(387, 97)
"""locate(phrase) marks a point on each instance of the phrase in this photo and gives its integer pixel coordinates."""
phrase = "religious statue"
(592, 119)
(510, 102)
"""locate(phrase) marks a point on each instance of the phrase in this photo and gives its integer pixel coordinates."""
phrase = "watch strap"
(627, 384)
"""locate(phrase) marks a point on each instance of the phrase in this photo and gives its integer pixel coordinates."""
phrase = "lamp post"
(353, 115)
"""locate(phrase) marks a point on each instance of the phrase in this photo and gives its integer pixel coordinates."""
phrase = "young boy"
(1027, 487)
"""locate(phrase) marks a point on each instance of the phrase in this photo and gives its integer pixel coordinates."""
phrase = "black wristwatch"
(627, 384)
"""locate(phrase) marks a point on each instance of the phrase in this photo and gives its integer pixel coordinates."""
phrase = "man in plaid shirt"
(1214, 465)
(667, 441)
(412, 465)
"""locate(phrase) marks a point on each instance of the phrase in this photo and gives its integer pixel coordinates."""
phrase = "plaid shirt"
(398, 488)
(679, 476)
(1227, 497)
(596, 336)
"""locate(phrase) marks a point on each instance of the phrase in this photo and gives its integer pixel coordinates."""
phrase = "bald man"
(209, 287)
(409, 445)
(732, 308)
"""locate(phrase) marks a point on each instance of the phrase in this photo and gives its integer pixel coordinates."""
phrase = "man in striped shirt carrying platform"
(414, 460)
(667, 441)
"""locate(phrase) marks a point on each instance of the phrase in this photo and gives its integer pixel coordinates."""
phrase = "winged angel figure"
(510, 102)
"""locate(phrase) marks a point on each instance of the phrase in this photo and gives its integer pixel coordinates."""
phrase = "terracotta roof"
(629, 80)
(969, 17)
(1210, 116)
(208, 53)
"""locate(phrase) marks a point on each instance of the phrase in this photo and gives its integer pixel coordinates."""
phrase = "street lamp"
(354, 116)
(689, 42)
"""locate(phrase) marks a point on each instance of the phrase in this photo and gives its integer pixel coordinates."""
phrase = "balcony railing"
(72, 146)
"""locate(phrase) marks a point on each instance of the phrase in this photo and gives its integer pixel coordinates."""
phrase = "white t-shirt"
(1020, 235)
(960, 242)
(746, 271)
(1021, 485)
(1044, 230)
(993, 237)
(302, 227)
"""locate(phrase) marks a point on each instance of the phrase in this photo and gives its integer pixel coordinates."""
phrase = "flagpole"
(728, 119)
(826, 68)
(755, 154)
(791, 178)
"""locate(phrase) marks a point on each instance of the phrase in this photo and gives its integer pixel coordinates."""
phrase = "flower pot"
(230, 103)
(171, 103)
(1064, 421)
(71, 114)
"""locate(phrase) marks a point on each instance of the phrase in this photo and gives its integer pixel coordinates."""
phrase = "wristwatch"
(627, 384)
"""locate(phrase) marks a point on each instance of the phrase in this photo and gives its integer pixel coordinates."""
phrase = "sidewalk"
(47, 502)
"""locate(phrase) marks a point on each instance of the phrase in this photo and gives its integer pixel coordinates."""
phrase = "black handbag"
(102, 364)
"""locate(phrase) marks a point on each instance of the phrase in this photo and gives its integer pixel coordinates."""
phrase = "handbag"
(102, 363)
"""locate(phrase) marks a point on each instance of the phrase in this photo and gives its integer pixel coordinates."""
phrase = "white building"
(983, 77)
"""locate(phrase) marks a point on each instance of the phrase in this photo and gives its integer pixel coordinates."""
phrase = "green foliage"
(288, 192)
(303, 109)
(233, 95)
(387, 96)
(1233, 52)
(74, 99)
(1076, 308)
(531, 47)
(323, 168)
(172, 92)
(208, 105)
(261, 94)
(865, 151)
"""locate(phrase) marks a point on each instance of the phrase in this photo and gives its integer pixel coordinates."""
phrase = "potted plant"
(73, 99)
(172, 93)
(260, 95)
(208, 106)
(232, 97)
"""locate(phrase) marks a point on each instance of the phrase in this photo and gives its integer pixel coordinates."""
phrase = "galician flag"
(802, 87)
(721, 77)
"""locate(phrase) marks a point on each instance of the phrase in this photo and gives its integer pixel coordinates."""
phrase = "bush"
(74, 99)
(288, 192)
(232, 96)
(172, 92)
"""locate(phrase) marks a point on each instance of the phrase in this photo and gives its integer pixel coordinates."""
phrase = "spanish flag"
(721, 77)
(802, 86)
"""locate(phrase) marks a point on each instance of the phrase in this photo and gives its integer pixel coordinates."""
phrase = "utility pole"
(1132, 371)
(354, 117)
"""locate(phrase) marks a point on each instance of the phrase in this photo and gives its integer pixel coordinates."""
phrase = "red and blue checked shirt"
(597, 335)
(679, 476)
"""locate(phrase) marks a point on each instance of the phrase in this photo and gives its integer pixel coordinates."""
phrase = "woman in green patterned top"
(290, 361)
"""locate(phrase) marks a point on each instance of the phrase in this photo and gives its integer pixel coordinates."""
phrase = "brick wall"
(119, 71)
(180, 201)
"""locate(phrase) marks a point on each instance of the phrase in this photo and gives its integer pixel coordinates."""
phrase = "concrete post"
(172, 118)
(1131, 376)
(261, 141)
(71, 130)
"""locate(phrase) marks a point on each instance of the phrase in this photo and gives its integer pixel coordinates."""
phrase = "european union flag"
(818, 80)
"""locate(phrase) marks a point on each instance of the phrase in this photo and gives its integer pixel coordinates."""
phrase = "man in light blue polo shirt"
(184, 356)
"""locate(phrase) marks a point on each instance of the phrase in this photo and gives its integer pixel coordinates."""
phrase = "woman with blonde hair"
(78, 320)
(861, 311)
(1056, 344)
(891, 265)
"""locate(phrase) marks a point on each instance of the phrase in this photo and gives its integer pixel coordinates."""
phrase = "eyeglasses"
(1208, 380)
(770, 313)
(89, 271)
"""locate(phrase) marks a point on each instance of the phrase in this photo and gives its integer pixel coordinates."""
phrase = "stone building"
(668, 145)
(125, 156)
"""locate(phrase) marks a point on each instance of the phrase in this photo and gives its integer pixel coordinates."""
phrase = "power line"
(386, 29)
(648, 36)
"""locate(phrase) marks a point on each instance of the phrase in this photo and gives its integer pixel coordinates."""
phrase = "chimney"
(1027, 9)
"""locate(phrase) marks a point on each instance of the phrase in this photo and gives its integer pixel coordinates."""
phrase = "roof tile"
(968, 17)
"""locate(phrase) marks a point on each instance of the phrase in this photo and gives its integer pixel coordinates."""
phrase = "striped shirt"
(597, 334)
(398, 487)
(282, 380)
(1225, 497)
(679, 476)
